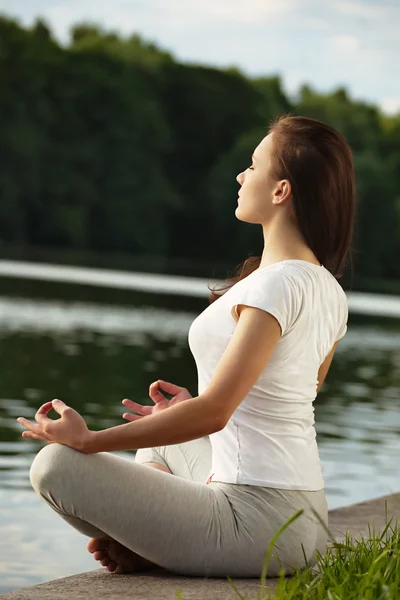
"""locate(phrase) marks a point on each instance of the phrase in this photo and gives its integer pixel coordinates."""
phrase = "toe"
(105, 561)
(97, 544)
(112, 566)
(99, 554)
(119, 569)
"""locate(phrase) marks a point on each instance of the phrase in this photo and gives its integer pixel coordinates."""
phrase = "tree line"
(110, 145)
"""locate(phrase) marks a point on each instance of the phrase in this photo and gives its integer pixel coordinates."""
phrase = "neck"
(283, 241)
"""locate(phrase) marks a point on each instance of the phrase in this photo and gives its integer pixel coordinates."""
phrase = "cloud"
(359, 9)
(157, 16)
(250, 12)
(391, 106)
(351, 43)
(347, 44)
(152, 15)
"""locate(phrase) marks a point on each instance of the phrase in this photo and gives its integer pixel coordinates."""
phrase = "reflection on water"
(93, 355)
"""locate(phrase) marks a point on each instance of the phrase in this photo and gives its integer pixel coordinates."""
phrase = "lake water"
(93, 348)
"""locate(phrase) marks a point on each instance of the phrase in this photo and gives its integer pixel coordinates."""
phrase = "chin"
(241, 215)
(243, 219)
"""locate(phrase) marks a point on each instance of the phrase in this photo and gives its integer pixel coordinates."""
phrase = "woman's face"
(259, 192)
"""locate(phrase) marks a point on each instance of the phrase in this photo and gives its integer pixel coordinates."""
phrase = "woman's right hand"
(160, 401)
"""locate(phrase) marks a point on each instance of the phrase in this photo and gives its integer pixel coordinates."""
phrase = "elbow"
(214, 424)
(219, 422)
(216, 416)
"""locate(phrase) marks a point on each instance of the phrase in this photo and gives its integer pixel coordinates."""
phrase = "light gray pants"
(179, 522)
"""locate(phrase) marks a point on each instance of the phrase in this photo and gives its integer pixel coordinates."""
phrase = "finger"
(41, 414)
(38, 436)
(139, 408)
(34, 427)
(60, 406)
(34, 436)
(155, 393)
(46, 407)
(171, 388)
(131, 417)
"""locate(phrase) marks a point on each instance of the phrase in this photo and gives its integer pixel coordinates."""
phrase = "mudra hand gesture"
(70, 429)
(160, 401)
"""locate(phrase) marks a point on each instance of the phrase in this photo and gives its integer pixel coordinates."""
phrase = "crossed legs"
(182, 460)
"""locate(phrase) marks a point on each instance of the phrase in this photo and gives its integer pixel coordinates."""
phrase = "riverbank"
(359, 302)
(358, 520)
(163, 265)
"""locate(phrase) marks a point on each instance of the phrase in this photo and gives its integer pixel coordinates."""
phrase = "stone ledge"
(162, 585)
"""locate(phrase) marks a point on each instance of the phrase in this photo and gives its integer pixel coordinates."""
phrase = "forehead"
(264, 147)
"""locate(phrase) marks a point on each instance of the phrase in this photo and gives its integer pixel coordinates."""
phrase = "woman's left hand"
(70, 430)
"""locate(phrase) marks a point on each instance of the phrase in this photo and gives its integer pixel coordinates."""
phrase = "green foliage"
(112, 145)
(357, 121)
(274, 100)
(132, 49)
(368, 568)
(208, 110)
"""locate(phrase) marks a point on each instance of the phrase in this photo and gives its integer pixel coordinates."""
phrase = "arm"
(182, 422)
(250, 348)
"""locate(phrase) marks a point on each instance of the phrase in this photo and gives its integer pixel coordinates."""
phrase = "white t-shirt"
(270, 439)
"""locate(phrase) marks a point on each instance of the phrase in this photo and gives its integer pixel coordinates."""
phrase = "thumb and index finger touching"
(156, 387)
(166, 386)
(58, 405)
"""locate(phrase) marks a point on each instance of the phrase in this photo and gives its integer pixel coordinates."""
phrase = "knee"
(48, 467)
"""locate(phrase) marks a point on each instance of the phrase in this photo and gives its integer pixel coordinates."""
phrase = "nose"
(239, 178)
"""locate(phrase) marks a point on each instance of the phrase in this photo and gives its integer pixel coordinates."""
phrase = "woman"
(244, 450)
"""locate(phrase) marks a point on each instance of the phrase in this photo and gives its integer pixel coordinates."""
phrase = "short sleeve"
(273, 292)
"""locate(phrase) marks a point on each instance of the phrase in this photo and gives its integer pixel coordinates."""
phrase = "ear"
(282, 191)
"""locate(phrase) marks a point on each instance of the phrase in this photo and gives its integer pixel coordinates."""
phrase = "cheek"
(256, 193)
(256, 185)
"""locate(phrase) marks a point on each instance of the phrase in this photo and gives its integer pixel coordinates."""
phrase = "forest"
(109, 146)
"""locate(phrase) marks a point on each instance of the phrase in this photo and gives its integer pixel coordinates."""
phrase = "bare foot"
(117, 558)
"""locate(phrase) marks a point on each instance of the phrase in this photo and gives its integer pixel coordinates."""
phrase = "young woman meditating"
(243, 452)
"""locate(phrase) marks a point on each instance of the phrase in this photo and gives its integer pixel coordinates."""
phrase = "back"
(270, 438)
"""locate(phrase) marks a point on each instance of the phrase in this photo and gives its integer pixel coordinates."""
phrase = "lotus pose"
(216, 475)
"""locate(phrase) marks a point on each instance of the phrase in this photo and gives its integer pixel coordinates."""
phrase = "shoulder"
(271, 290)
(279, 279)
(270, 274)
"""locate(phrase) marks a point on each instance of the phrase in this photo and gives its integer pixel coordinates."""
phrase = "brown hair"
(318, 162)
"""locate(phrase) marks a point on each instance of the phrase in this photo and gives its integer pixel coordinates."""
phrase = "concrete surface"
(161, 585)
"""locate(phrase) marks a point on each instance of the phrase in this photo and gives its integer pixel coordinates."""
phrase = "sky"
(346, 43)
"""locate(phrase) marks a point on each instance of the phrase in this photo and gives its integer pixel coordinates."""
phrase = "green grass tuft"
(365, 569)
